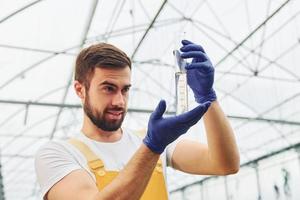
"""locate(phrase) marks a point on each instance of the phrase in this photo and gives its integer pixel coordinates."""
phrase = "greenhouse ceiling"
(254, 46)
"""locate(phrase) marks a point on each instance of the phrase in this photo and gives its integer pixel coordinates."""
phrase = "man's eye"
(126, 89)
(109, 89)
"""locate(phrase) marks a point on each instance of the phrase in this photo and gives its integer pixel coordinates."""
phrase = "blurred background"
(253, 44)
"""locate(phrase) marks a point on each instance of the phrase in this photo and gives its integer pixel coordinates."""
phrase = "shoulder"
(51, 146)
(53, 161)
(52, 156)
(55, 154)
(54, 149)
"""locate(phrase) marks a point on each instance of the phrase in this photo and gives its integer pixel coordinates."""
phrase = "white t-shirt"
(56, 159)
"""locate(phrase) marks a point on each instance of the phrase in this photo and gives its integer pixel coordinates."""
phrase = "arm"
(221, 155)
(132, 180)
(223, 150)
(129, 184)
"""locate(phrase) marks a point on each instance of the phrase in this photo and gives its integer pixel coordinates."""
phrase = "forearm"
(133, 179)
(223, 151)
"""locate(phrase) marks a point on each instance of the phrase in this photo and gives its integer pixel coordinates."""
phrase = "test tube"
(181, 84)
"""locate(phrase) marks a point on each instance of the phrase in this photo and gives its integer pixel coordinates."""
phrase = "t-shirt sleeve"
(52, 163)
(170, 150)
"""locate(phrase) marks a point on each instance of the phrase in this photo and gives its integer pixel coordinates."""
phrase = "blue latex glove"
(200, 72)
(162, 131)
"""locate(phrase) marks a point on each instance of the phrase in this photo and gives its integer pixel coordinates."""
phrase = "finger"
(192, 47)
(204, 67)
(186, 42)
(193, 116)
(194, 54)
(159, 110)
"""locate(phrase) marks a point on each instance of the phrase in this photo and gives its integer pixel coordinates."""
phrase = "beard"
(98, 118)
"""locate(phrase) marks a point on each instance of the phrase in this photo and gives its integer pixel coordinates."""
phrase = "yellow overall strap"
(156, 188)
(95, 164)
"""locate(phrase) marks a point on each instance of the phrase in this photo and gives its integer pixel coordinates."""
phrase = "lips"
(114, 114)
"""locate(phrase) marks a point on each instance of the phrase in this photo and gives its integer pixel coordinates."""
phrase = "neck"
(94, 133)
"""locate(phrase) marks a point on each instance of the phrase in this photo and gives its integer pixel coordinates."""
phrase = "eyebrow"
(111, 84)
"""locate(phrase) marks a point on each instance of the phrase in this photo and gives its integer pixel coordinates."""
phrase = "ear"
(79, 89)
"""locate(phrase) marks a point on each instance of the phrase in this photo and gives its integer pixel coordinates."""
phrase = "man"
(107, 162)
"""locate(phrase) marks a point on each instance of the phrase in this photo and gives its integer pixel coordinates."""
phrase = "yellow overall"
(155, 190)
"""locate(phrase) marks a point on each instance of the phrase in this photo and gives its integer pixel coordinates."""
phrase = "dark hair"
(100, 55)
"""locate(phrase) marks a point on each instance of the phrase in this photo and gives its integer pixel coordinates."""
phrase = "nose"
(119, 100)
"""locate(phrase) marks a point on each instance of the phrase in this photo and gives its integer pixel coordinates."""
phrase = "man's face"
(106, 100)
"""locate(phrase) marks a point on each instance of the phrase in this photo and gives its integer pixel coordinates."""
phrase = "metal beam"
(77, 106)
(247, 164)
(260, 119)
(117, 33)
(17, 156)
(64, 51)
(254, 31)
(19, 10)
(148, 29)
(37, 50)
(2, 196)
(71, 106)
(83, 38)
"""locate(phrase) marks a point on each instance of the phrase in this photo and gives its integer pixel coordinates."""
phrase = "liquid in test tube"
(181, 84)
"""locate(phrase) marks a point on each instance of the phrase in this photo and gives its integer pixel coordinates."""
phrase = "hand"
(162, 131)
(200, 72)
